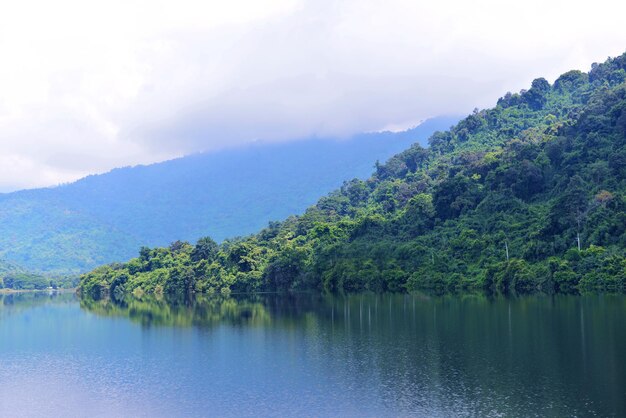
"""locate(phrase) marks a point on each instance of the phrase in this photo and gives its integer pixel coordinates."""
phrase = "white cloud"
(87, 86)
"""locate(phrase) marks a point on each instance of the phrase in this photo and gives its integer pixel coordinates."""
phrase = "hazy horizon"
(85, 88)
(243, 147)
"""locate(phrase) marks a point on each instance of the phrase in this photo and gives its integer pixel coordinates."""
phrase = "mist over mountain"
(104, 218)
(527, 195)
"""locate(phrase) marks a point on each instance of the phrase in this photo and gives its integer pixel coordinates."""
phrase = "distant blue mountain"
(105, 218)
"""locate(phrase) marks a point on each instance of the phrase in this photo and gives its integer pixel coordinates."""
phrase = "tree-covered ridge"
(529, 194)
(73, 228)
(16, 278)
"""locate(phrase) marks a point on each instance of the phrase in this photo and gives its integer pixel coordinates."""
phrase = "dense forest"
(16, 278)
(76, 227)
(528, 195)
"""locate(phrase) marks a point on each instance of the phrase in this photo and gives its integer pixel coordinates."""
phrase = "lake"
(314, 355)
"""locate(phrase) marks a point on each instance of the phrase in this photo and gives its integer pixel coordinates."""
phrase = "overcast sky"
(86, 86)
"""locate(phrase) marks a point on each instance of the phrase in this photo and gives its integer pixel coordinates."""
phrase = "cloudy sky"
(86, 86)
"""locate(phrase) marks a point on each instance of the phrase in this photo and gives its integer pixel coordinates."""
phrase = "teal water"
(311, 355)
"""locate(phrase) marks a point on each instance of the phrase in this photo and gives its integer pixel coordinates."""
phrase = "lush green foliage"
(503, 200)
(16, 278)
(99, 219)
(31, 281)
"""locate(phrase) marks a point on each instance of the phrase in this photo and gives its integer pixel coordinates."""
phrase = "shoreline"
(7, 291)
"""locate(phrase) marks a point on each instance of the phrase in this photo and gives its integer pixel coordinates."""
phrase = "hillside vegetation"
(14, 277)
(76, 227)
(530, 194)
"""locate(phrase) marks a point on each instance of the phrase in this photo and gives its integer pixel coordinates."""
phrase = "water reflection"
(364, 354)
(12, 303)
(199, 311)
(555, 355)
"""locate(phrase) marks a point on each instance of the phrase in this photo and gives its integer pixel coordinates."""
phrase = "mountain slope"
(529, 194)
(15, 278)
(105, 218)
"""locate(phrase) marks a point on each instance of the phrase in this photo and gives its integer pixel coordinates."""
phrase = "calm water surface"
(311, 355)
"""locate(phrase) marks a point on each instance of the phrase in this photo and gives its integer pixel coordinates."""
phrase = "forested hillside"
(16, 278)
(530, 194)
(99, 219)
